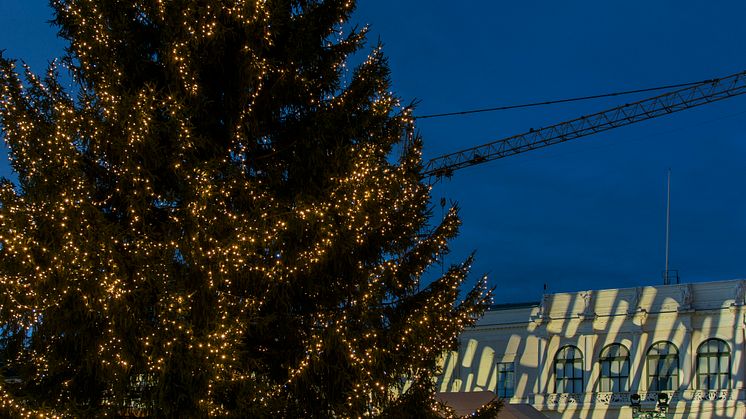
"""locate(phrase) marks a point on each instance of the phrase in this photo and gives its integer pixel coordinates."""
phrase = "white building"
(582, 355)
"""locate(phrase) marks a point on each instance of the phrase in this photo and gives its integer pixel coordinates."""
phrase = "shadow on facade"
(662, 328)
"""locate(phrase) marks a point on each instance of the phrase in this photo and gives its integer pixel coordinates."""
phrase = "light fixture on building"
(634, 401)
(662, 402)
(638, 413)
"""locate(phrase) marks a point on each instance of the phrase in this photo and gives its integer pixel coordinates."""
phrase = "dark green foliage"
(212, 221)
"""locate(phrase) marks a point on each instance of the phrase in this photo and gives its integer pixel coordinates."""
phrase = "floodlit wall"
(528, 338)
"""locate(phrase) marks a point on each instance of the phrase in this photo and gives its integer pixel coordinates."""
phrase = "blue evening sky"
(586, 214)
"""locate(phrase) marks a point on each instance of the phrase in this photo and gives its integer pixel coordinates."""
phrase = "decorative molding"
(609, 398)
(638, 298)
(710, 395)
(564, 398)
(647, 397)
(687, 298)
(587, 313)
(618, 398)
(740, 294)
(544, 308)
(635, 306)
(640, 316)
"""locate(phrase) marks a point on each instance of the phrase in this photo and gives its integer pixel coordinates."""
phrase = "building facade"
(584, 354)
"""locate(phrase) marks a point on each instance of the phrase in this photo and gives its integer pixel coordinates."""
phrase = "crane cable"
(552, 102)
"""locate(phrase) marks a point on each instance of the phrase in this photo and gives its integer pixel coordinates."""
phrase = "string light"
(211, 223)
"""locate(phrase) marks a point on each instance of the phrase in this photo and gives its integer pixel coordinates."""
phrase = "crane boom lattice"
(664, 104)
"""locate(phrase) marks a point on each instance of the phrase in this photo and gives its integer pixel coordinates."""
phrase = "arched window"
(663, 366)
(614, 362)
(713, 365)
(568, 370)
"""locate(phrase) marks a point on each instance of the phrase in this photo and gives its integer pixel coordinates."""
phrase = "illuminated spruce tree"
(209, 220)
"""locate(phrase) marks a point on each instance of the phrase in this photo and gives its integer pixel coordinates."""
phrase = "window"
(568, 370)
(505, 379)
(614, 362)
(663, 366)
(713, 365)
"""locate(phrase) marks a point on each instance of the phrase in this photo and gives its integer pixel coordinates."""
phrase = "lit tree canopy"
(213, 218)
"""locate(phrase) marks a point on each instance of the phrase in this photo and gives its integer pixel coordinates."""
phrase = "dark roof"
(511, 306)
(466, 403)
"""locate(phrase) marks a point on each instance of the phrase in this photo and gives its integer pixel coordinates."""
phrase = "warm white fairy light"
(168, 277)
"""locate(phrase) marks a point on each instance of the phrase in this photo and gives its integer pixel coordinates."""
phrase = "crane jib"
(664, 104)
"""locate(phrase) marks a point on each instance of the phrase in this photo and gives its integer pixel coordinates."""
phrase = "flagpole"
(666, 279)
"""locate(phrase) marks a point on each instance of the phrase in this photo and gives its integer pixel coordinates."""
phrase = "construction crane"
(667, 103)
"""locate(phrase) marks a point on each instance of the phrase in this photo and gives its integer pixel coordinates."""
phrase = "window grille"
(713, 365)
(614, 362)
(568, 370)
(663, 366)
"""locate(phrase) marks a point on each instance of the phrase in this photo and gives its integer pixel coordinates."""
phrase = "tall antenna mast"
(667, 272)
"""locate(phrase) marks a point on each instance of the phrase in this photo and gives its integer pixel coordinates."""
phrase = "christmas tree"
(213, 218)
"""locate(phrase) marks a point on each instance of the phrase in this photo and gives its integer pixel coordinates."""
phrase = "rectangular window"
(505, 379)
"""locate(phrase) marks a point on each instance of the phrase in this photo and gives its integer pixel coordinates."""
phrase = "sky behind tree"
(586, 214)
